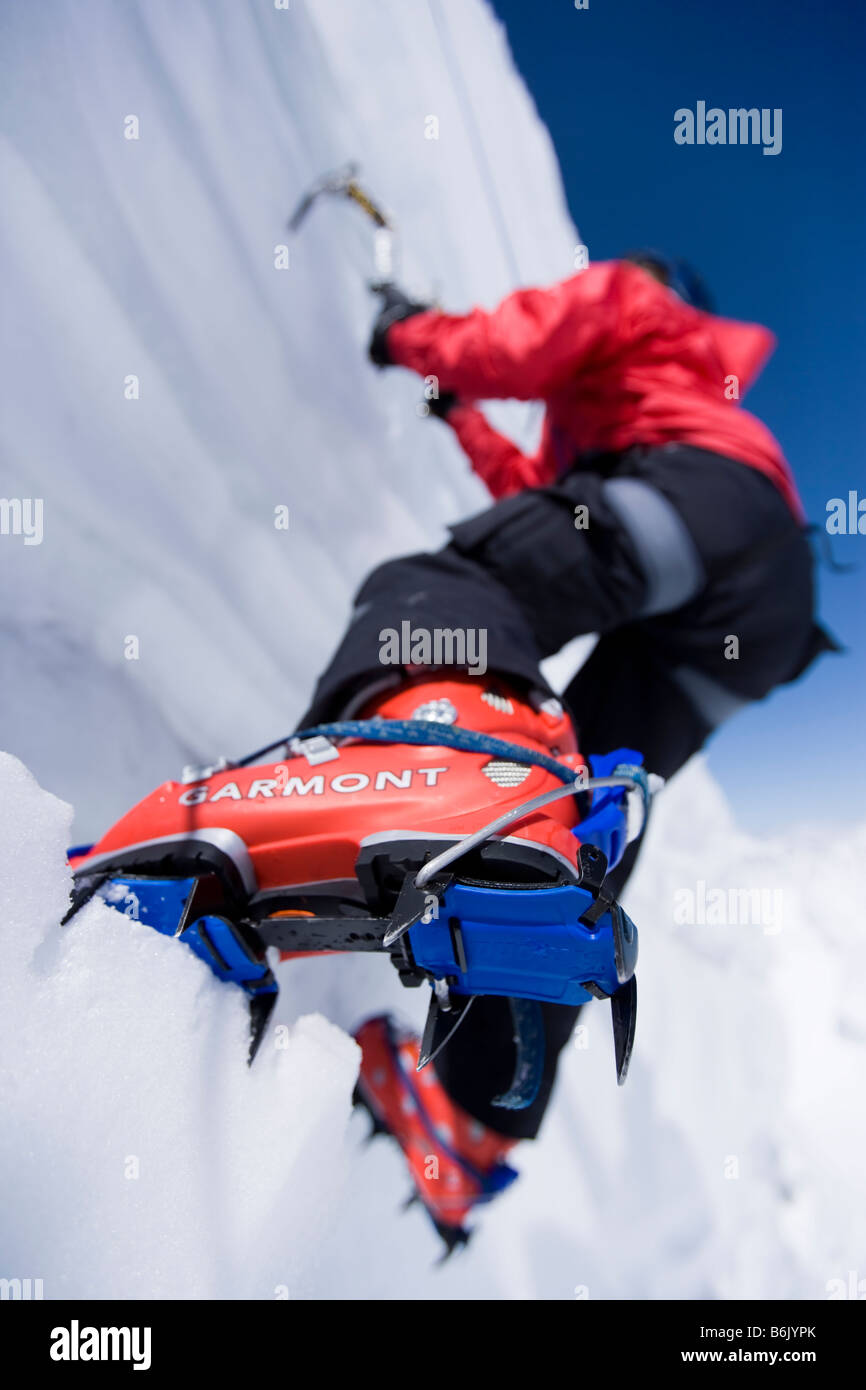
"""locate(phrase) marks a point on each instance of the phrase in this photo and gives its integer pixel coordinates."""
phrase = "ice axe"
(343, 183)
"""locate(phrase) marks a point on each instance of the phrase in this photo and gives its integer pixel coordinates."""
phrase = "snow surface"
(155, 257)
(730, 1165)
(140, 1157)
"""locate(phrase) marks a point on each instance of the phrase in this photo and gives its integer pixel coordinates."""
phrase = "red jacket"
(618, 360)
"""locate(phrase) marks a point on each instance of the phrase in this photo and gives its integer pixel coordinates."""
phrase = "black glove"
(441, 405)
(396, 305)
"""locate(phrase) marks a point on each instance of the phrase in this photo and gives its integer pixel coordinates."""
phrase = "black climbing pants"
(698, 580)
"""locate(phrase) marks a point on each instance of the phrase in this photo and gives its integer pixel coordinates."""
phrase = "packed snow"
(164, 618)
(140, 1157)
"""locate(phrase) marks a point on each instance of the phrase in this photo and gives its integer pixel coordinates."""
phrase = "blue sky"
(781, 240)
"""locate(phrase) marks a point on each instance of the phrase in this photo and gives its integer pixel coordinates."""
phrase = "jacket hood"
(743, 348)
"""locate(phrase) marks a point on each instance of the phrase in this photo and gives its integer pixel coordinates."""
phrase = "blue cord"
(427, 731)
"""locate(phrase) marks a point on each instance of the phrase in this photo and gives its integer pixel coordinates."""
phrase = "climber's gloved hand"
(442, 404)
(396, 305)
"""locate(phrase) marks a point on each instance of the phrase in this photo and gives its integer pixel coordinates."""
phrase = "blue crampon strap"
(427, 731)
(529, 1044)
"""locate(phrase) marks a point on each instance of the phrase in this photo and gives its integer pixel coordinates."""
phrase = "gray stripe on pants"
(667, 554)
(713, 701)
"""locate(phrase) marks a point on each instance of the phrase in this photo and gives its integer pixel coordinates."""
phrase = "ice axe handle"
(365, 203)
(383, 252)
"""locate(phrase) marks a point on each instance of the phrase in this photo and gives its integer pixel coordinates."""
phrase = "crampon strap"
(425, 731)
